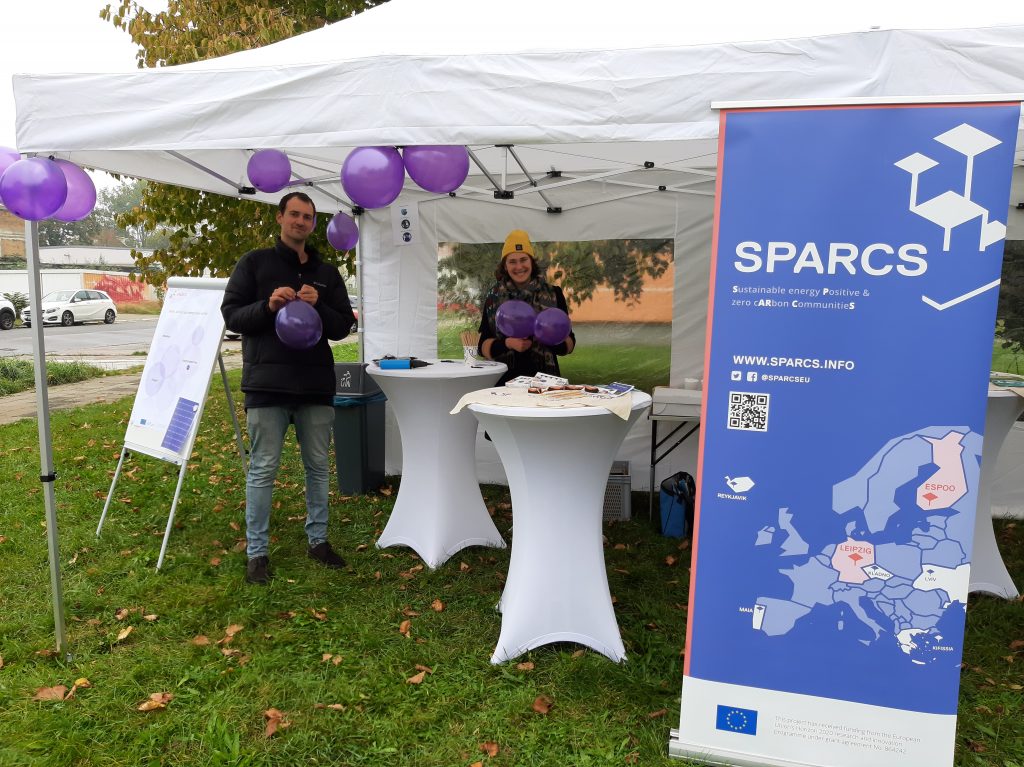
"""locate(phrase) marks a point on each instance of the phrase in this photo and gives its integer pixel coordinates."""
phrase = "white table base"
(988, 573)
(557, 586)
(439, 510)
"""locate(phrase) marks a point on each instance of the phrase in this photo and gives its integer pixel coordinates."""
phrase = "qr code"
(748, 410)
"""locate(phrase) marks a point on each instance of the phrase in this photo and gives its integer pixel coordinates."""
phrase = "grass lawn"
(338, 652)
(383, 663)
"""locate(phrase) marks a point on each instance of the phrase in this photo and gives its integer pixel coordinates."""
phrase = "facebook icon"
(732, 719)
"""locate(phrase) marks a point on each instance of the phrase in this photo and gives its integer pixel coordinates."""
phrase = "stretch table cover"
(439, 510)
(557, 462)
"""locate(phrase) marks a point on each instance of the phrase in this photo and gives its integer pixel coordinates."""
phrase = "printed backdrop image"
(855, 282)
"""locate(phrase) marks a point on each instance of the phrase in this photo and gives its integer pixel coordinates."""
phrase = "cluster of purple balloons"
(517, 319)
(36, 188)
(298, 325)
(373, 176)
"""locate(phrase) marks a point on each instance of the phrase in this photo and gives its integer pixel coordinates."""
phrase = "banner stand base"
(679, 749)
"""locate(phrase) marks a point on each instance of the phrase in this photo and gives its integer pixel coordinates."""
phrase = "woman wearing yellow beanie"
(518, 278)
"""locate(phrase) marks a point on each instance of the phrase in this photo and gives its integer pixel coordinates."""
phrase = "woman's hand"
(519, 344)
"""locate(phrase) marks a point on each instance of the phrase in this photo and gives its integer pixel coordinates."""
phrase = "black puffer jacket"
(268, 365)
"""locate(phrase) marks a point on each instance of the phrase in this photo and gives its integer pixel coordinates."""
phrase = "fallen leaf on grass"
(404, 628)
(1, 661)
(239, 546)
(579, 653)
(437, 605)
(214, 561)
(275, 720)
(123, 634)
(489, 747)
(234, 526)
(976, 746)
(123, 613)
(320, 615)
(1016, 644)
(670, 560)
(525, 666)
(385, 491)
(51, 693)
(408, 612)
(362, 547)
(416, 678)
(463, 567)
(201, 641)
(156, 701)
(151, 617)
(657, 714)
(47, 653)
(331, 706)
(424, 669)
(542, 704)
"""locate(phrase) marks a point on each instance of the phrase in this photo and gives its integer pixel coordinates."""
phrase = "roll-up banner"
(857, 254)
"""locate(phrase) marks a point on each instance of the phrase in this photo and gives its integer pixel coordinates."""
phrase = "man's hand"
(519, 344)
(309, 294)
(280, 297)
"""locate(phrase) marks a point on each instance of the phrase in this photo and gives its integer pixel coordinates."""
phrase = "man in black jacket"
(284, 385)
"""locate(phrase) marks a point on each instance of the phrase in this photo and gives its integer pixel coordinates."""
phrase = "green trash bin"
(358, 430)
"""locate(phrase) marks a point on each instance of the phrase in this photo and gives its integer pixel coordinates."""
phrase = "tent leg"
(47, 475)
(117, 473)
(234, 416)
(170, 517)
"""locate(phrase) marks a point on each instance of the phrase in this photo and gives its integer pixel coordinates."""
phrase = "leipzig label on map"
(856, 265)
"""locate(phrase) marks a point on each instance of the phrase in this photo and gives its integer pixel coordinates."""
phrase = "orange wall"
(655, 304)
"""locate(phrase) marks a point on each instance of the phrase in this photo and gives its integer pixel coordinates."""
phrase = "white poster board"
(169, 403)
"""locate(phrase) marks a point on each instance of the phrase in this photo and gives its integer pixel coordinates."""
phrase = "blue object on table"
(678, 493)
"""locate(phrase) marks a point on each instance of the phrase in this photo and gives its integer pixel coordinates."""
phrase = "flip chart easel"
(172, 393)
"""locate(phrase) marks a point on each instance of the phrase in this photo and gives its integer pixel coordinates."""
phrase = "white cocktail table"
(557, 462)
(439, 510)
(988, 573)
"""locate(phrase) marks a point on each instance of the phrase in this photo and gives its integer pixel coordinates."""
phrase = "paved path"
(15, 407)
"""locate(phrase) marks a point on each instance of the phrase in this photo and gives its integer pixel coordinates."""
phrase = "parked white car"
(67, 307)
(6, 314)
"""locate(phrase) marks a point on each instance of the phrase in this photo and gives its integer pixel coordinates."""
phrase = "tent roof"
(579, 90)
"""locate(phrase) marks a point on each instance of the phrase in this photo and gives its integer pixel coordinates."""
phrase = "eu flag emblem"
(732, 719)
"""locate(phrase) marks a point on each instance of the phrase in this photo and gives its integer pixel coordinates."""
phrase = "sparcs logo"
(951, 209)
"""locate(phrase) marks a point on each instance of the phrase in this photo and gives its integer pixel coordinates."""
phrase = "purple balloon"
(438, 168)
(515, 319)
(372, 176)
(298, 325)
(552, 326)
(269, 170)
(81, 197)
(33, 189)
(8, 157)
(342, 232)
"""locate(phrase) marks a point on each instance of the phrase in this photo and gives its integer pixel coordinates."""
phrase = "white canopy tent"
(585, 120)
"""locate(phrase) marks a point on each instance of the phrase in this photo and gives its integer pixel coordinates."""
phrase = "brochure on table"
(857, 249)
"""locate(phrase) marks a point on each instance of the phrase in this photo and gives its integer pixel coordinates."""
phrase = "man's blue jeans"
(267, 427)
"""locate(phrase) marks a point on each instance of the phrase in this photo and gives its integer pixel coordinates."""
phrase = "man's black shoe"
(325, 555)
(258, 571)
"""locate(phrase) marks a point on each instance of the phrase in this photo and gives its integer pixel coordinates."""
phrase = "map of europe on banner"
(855, 281)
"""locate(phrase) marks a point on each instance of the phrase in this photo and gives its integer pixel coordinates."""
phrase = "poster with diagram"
(169, 402)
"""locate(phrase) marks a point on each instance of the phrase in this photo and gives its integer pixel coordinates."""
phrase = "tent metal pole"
(487, 174)
(46, 473)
